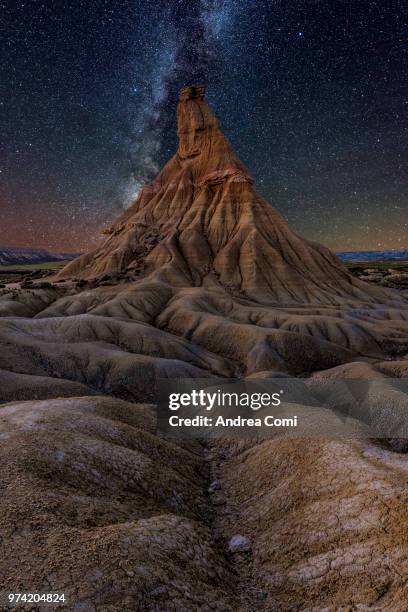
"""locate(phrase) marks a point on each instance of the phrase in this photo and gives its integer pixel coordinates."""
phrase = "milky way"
(311, 95)
(187, 49)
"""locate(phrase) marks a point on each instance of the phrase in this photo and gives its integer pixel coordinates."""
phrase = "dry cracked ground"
(199, 278)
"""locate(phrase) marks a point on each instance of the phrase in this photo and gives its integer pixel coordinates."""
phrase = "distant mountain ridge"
(21, 255)
(356, 256)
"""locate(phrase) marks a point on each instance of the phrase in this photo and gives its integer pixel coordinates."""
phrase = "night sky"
(311, 93)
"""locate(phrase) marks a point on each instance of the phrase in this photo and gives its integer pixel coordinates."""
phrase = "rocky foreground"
(199, 278)
(98, 507)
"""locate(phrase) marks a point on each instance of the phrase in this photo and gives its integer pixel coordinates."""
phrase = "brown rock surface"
(327, 521)
(97, 507)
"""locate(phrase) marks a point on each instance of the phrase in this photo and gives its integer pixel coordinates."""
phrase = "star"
(319, 125)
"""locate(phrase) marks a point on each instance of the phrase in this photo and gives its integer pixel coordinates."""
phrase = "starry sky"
(311, 93)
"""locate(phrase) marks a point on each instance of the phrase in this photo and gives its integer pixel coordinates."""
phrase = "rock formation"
(200, 277)
(201, 223)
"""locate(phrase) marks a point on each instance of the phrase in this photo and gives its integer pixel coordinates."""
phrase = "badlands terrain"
(199, 278)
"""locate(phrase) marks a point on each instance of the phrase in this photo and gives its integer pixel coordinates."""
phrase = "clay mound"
(120, 339)
(118, 518)
(200, 222)
(327, 521)
(98, 508)
(17, 386)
